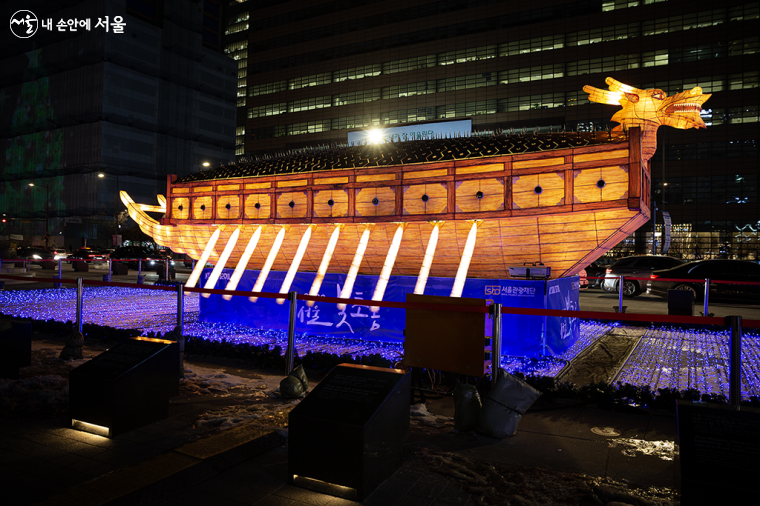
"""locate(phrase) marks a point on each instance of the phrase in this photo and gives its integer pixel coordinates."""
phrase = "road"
(595, 299)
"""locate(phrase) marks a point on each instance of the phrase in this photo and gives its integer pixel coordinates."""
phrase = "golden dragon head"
(651, 108)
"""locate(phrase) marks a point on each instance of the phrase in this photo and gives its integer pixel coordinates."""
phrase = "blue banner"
(521, 335)
(561, 333)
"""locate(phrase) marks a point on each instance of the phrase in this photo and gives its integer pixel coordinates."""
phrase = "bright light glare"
(31, 184)
(101, 175)
(375, 136)
(206, 164)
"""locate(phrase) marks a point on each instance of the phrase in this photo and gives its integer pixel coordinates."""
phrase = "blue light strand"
(666, 357)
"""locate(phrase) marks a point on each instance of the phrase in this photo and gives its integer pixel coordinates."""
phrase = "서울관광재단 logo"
(24, 24)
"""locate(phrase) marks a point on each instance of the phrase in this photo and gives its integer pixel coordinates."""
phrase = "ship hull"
(563, 208)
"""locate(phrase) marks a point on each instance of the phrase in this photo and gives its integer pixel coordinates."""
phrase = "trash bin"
(680, 303)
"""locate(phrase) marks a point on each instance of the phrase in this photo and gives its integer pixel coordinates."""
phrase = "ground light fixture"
(98, 430)
(325, 487)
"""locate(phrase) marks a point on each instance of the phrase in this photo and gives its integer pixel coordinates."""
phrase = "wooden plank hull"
(564, 208)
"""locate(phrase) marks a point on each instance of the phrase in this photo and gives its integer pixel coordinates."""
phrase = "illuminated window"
(407, 64)
(240, 16)
(655, 58)
(611, 5)
(268, 110)
(236, 46)
(531, 74)
(357, 72)
(532, 45)
(467, 55)
(622, 62)
(546, 101)
(744, 81)
(265, 89)
(309, 127)
(744, 12)
(466, 109)
(743, 46)
(308, 81)
(309, 104)
(409, 90)
(237, 27)
(356, 97)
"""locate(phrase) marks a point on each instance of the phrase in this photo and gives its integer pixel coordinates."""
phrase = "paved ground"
(187, 459)
(556, 458)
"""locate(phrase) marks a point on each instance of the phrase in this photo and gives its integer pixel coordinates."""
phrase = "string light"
(666, 357)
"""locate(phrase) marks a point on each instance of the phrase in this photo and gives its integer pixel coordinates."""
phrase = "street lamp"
(47, 211)
(102, 175)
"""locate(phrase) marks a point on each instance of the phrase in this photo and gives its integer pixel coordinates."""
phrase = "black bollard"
(734, 323)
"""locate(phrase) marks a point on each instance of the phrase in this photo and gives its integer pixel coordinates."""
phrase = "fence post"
(495, 343)
(707, 297)
(290, 351)
(109, 269)
(166, 270)
(181, 328)
(181, 308)
(620, 294)
(139, 271)
(80, 295)
(734, 324)
(60, 275)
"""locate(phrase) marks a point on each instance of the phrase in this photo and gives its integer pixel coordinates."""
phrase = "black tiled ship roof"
(401, 153)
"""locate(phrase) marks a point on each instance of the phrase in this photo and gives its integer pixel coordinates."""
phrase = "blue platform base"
(521, 335)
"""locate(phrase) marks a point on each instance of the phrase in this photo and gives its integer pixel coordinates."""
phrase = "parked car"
(189, 263)
(714, 270)
(637, 266)
(39, 256)
(88, 255)
(59, 253)
(133, 254)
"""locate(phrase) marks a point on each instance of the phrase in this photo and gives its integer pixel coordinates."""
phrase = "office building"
(107, 96)
(310, 72)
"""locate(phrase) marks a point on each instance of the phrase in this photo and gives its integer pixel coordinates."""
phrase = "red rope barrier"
(38, 280)
(592, 315)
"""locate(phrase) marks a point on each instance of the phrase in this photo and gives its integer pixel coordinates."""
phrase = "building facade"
(309, 72)
(107, 95)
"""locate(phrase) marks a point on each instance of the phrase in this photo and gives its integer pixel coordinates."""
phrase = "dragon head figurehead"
(649, 109)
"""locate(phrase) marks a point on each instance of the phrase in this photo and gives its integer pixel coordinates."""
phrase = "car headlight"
(152, 262)
(37, 257)
(58, 257)
(172, 262)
